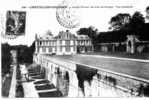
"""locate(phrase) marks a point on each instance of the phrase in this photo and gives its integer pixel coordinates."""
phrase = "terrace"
(132, 67)
(123, 74)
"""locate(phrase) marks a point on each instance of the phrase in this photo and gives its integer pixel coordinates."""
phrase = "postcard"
(74, 48)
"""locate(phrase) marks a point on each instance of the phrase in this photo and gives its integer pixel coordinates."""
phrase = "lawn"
(122, 54)
(128, 67)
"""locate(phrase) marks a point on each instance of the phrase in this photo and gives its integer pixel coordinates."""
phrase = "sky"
(39, 20)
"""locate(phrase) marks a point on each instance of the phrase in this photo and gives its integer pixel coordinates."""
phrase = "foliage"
(120, 21)
(137, 22)
(126, 22)
(6, 59)
(147, 11)
(121, 25)
(25, 54)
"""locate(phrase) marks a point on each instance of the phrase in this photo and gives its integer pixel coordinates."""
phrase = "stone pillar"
(50, 74)
(36, 46)
(49, 71)
(87, 89)
(101, 89)
(130, 43)
(113, 48)
(54, 75)
(104, 48)
(73, 85)
(62, 82)
(95, 87)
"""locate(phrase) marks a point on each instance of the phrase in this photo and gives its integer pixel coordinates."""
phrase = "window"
(50, 49)
(54, 42)
(51, 43)
(68, 42)
(43, 43)
(74, 48)
(74, 42)
(84, 42)
(71, 42)
(40, 43)
(48, 43)
(67, 48)
(44, 49)
(87, 42)
(60, 42)
(60, 48)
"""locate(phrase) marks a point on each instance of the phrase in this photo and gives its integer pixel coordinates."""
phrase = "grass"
(128, 67)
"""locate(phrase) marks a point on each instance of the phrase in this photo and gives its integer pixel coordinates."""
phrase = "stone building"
(65, 43)
(124, 41)
(84, 44)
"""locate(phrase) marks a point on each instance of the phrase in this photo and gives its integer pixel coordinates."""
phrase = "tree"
(25, 53)
(6, 59)
(120, 21)
(126, 22)
(147, 13)
(137, 22)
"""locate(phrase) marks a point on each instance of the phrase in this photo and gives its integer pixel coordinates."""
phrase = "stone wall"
(131, 45)
(75, 80)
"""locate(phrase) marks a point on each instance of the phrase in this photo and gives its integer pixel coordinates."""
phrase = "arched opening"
(63, 81)
(67, 76)
(66, 80)
(84, 73)
(129, 44)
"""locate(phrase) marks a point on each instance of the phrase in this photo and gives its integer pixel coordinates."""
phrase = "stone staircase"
(38, 86)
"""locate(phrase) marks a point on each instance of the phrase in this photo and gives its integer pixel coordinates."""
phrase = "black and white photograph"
(74, 49)
(15, 23)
